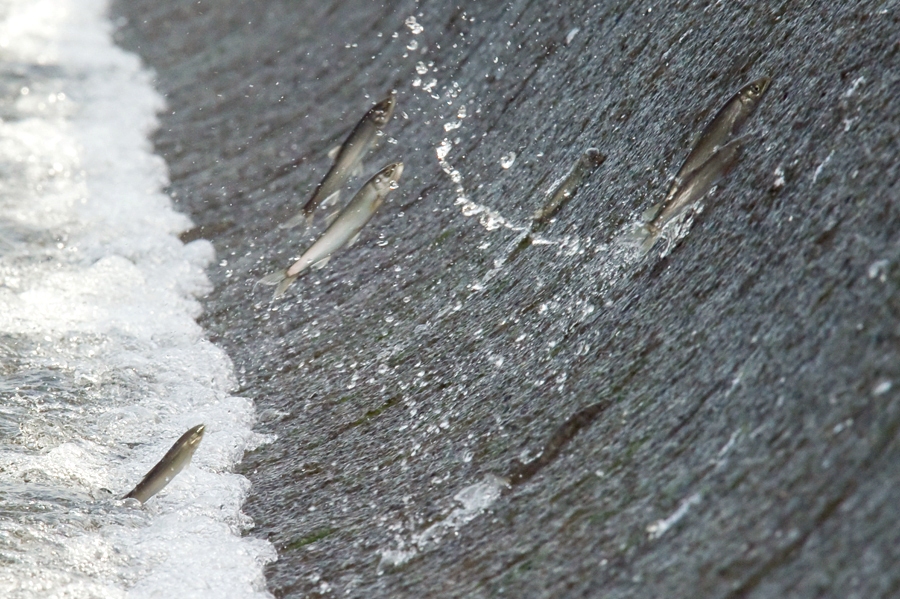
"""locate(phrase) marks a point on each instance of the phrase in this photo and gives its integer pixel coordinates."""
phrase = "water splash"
(472, 501)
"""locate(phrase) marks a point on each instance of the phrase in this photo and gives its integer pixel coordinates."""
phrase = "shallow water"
(717, 418)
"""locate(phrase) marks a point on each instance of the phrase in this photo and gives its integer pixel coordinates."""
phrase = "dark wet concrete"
(751, 376)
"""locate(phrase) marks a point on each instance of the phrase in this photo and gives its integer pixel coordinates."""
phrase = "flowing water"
(458, 405)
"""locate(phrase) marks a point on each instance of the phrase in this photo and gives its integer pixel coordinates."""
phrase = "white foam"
(104, 365)
(472, 501)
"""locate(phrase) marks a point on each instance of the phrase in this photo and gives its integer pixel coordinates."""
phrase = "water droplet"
(414, 27)
(507, 160)
(421, 69)
(882, 388)
(412, 45)
(443, 149)
(878, 270)
(470, 208)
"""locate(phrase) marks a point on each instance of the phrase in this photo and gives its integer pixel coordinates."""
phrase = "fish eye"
(754, 88)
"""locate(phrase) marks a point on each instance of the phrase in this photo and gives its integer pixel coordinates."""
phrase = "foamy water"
(103, 365)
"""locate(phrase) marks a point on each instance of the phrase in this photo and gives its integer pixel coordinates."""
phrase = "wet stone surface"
(718, 418)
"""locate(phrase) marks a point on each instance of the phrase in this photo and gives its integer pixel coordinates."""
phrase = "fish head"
(382, 112)
(755, 90)
(196, 435)
(387, 178)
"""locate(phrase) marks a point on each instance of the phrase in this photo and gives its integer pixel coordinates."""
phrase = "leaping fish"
(172, 463)
(726, 123)
(700, 182)
(347, 159)
(345, 229)
(589, 160)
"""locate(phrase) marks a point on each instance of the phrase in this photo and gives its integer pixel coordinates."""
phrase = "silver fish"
(172, 463)
(345, 229)
(726, 123)
(700, 182)
(347, 159)
(589, 160)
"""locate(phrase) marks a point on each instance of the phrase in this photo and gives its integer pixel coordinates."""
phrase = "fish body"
(347, 159)
(589, 160)
(172, 463)
(344, 230)
(697, 185)
(726, 123)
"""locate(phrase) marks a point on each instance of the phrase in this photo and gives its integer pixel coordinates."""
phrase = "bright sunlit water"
(103, 365)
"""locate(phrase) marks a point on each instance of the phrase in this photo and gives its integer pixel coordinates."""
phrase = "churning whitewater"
(103, 365)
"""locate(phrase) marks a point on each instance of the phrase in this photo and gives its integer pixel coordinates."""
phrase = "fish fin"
(736, 146)
(283, 285)
(332, 216)
(321, 263)
(353, 240)
(297, 219)
(651, 212)
(333, 152)
(274, 278)
(642, 237)
(651, 235)
(331, 200)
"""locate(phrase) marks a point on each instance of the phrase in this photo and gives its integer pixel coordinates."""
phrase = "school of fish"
(716, 151)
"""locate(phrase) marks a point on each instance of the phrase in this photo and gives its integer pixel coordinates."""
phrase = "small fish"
(172, 463)
(347, 159)
(589, 160)
(726, 123)
(522, 471)
(345, 229)
(700, 182)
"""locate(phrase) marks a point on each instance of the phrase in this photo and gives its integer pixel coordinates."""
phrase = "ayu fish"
(345, 229)
(589, 160)
(348, 158)
(172, 463)
(698, 184)
(726, 123)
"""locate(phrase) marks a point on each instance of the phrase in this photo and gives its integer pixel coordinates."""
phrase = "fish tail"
(644, 236)
(273, 278)
(298, 219)
(279, 278)
(283, 285)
